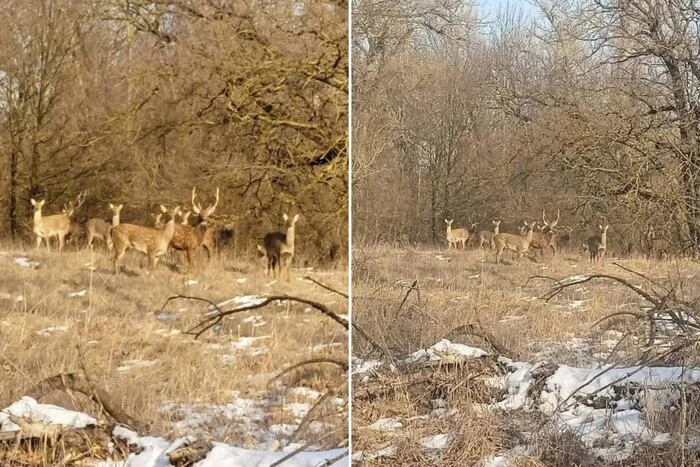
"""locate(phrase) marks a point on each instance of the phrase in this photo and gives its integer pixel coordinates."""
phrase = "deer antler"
(210, 210)
(195, 206)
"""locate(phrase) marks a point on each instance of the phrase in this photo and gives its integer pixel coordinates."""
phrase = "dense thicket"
(589, 107)
(138, 101)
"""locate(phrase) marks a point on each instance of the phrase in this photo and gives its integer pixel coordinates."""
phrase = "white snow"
(154, 450)
(26, 263)
(386, 424)
(48, 414)
(80, 293)
(435, 442)
(45, 332)
(443, 350)
(129, 364)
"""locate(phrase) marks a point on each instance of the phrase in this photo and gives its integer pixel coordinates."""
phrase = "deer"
(99, 228)
(188, 238)
(656, 246)
(597, 244)
(487, 237)
(279, 247)
(150, 241)
(157, 222)
(186, 218)
(518, 243)
(59, 225)
(457, 235)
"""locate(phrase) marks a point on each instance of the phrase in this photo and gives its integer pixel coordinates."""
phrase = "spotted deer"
(597, 245)
(58, 225)
(150, 241)
(279, 247)
(456, 235)
(486, 236)
(189, 238)
(99, 228)
(518, 243)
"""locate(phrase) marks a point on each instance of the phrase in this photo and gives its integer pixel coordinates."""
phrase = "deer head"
(204, 212)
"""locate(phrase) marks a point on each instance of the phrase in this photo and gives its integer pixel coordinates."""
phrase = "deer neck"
(603, 239)
(115, 220)
(495, 230)
(169, 229)
(37, 217)
(530, 233)
(449, 230)
(290, 237)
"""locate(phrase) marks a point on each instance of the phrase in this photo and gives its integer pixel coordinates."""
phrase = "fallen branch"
(341, 364)
(72, 382)
(321, 284)
(217, 318)
(490, 339)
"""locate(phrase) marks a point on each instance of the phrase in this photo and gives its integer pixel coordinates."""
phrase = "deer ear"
(296, 217)
(163, 208)
(120, 206)
(33, 202)
(285, 217)
(111, 206)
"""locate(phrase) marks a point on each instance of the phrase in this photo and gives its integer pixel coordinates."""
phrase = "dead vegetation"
(627, 312)
(123, 352)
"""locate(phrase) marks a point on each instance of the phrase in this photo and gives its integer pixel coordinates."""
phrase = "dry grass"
(456, 288)
(116, 322)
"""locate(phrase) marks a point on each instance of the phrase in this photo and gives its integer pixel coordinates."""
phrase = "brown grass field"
(456, 288)
(217, 386)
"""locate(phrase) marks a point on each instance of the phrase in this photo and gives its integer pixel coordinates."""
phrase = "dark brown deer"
(279, 247)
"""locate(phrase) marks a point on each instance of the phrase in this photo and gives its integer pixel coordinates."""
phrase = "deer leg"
(38, 242)
(190, 257)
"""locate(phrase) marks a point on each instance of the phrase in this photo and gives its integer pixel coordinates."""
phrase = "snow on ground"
(444, 349)
(78, 294)
(29, 409)
(26, 263)
(571, 396)
(129, 364)
(386, 424)
(257, 417)
(47, 331)
(153, 450)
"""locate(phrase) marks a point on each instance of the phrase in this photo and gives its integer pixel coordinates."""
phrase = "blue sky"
(491, 7)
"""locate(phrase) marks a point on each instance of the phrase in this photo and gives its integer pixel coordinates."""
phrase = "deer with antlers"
(150, 241)
(189, 238)
(58, 225)
(546, 238)
(99, 228)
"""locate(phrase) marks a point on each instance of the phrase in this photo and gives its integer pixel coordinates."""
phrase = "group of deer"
(543, 240)
(157, 240)
(152, 241)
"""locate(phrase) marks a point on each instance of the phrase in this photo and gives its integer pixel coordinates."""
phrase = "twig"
(310, 443)
(213, 320)
(490, 339)
(73, 382)
(408, 292)
(562, 285)
(309, 417)
(321, 284)
(341, 364)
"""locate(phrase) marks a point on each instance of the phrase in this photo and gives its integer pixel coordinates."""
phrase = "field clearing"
(507, 407)
(68, 313)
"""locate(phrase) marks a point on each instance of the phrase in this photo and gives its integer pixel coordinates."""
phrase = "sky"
(491, 7)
